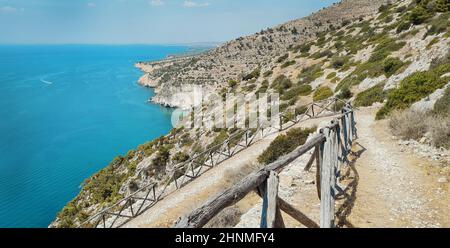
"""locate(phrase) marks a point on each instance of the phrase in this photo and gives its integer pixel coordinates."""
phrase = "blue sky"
(143, 21)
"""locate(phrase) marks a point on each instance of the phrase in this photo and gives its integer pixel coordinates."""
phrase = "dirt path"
(396, 188)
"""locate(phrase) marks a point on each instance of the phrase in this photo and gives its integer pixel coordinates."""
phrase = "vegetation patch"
(370, 96)
(311, 73)
(288, 63)
(414, 88)
(281, 84)
(254, 74)
(284, 144)
(299, 90)
(322, 93)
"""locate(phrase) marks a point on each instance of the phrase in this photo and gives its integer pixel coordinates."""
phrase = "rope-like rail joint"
(148, 195)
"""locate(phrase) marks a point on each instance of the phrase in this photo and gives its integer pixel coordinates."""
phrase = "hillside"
(393, 56)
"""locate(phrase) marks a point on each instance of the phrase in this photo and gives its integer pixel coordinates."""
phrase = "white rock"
(442, 180)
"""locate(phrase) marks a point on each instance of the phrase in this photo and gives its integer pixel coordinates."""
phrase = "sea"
(66, 111)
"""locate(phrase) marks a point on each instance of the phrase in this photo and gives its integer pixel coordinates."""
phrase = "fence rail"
(148, 195)
(331, 147)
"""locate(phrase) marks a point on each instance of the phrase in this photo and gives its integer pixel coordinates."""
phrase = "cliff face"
(233, 59)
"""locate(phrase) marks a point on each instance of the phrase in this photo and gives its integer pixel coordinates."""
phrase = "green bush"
(232, 83)
(281, 83)
(263, 88)
(391, 66)
(284, 144)
(254, 74)
(345, 93)
(418, 15)
(432, 42)
(288, 63)
(370, 96)
(414, 88)
(180, 157)
(322, 93)
(311, 73)
(331, 75)
(300, 90)
(362, 71)
(385, 48)
(338, 61)
(282, 58)
(403, 26)
(268, 73)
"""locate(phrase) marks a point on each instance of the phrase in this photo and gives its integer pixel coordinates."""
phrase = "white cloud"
(9, 9)
(156, 3)
(192, 4)
(91, 5)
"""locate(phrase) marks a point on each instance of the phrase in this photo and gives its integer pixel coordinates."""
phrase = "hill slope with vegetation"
(391, 54)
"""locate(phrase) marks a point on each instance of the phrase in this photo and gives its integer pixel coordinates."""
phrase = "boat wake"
(46, 82)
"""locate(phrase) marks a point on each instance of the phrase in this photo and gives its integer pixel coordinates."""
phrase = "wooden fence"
(331, 147)
(148, 195)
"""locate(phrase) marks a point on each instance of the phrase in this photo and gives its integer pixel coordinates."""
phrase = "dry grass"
(411, 124)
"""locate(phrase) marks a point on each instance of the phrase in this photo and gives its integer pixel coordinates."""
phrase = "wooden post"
(272, 193)
(271, 214)
(327, 187)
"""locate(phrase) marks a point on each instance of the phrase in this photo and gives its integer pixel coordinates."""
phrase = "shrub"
(268, 73)
(418, 15)
(321, 54)
(408, 124)
(284, 144)
(391, 66)
(403, 26)
(414, 88)
(362, 71)
(305, 48)
(322, 93)
(300, 110)
(345, 93)
(311, 73)
(254, 74)
(432, 42)
(331, 75)
(442, 5)
(441, 107)
(281, 83)
(288, 63)
(282, 58)
(384, 49)
(370, 96)
(439, 128)
(263, 88)
(439, 24)
(180, 157)
(232, 83)
(300, 90)
(338, 61)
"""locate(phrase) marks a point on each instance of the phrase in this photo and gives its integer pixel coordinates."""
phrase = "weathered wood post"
(270, 213)
(327, 183)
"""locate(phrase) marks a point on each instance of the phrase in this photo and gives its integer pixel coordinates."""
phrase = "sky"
(143, 21)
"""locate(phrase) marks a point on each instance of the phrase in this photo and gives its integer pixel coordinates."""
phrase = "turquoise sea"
(65, 113)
